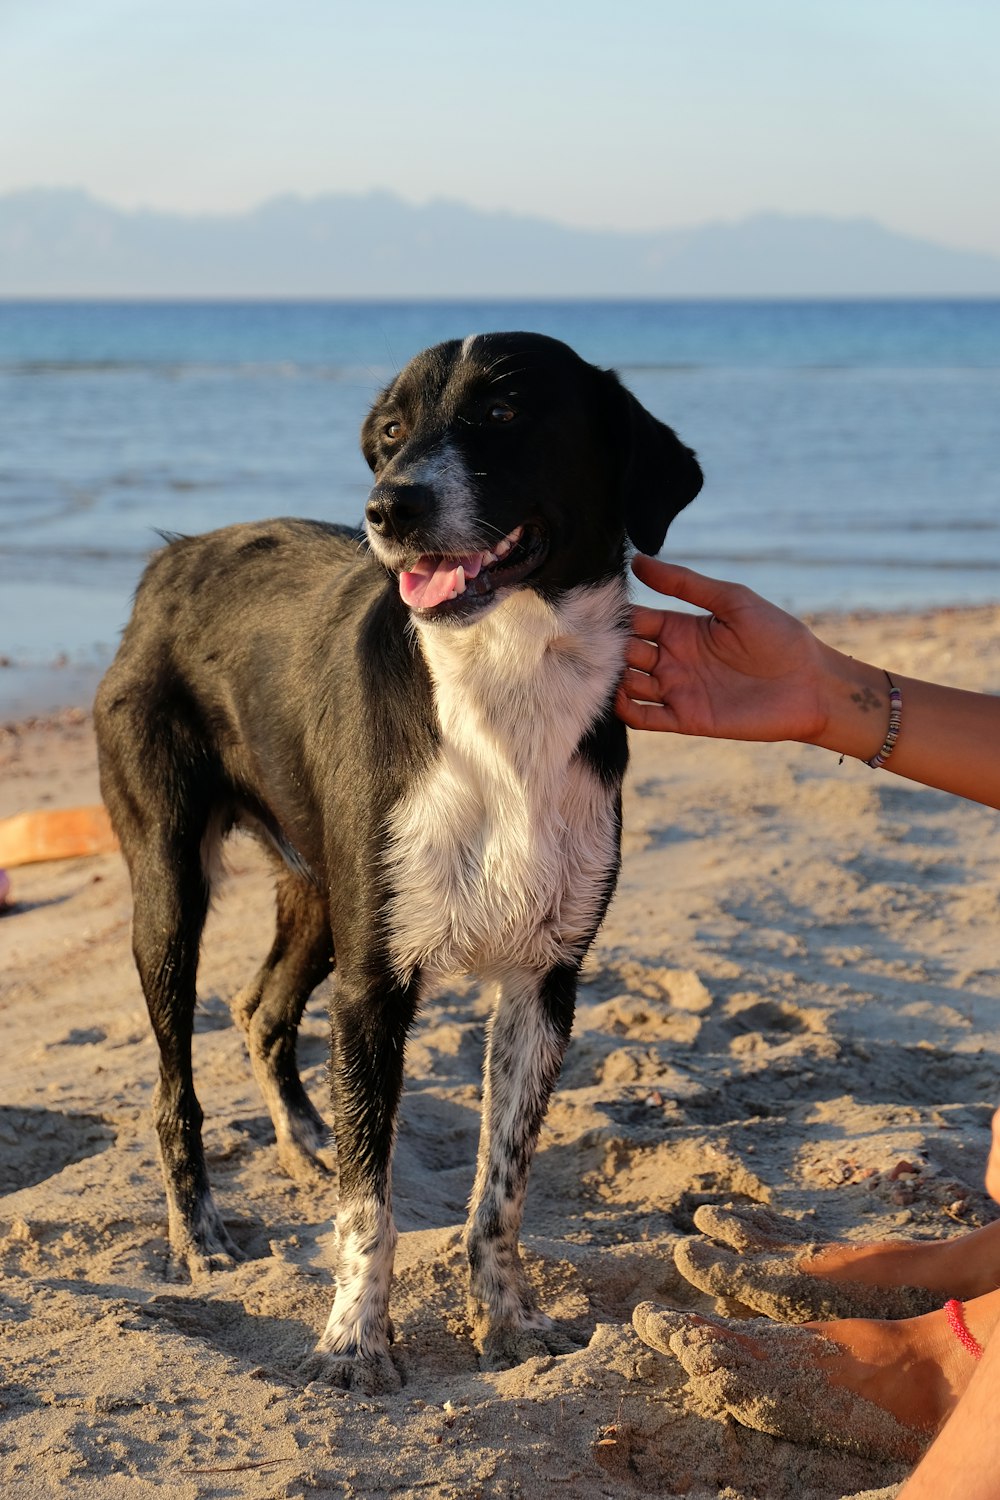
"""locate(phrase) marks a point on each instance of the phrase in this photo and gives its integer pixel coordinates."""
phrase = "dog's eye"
(500, 411)
(392, 432)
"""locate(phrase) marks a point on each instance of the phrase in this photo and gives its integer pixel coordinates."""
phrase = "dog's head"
(507, 461)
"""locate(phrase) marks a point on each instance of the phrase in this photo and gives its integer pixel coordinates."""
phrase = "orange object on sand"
(58, 834)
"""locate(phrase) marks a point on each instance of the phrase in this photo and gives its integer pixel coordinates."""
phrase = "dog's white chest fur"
(499, 854)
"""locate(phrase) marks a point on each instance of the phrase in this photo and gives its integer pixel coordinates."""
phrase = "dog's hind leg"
(269, 1009)
(527, 1039)
(369, 1022)
(170, 894)
(159, 786)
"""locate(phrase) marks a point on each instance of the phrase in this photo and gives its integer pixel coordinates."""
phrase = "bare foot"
(879, 1388)
(778, 1272)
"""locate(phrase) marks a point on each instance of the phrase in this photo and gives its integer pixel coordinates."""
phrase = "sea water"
(851, 449)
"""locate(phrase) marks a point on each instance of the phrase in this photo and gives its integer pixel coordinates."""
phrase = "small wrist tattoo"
(867, 700)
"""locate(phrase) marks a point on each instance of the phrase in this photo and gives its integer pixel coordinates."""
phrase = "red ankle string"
(955, 1313)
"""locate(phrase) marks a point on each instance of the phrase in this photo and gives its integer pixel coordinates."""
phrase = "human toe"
(656, 1325)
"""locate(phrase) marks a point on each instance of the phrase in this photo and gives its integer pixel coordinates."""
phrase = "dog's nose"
(394, 510)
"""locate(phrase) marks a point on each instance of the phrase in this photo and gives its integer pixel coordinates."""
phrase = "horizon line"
(397, 299)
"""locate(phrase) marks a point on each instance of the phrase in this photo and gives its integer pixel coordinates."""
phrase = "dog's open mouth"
(445, 584)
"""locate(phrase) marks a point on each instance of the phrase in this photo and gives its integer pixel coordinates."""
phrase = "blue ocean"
(851, 449)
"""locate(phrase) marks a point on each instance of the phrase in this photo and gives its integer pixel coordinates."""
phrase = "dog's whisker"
(388, 350)
(488, 527)
(497, 362)
(501, 359)
(506, 376)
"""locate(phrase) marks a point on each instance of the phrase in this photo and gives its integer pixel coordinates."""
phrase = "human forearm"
(948, 738)
(747, 670)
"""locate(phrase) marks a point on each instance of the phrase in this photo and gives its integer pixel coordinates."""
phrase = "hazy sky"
(619, 114)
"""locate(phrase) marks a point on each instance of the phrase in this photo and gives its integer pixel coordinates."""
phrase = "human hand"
(745, 671)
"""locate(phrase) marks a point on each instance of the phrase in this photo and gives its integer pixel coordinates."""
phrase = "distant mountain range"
(63, 242)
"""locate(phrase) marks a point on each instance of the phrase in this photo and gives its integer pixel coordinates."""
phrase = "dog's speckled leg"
(368, 1025)
(354, 1347)
(527, 1039)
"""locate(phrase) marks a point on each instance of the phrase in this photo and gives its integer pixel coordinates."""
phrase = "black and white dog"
(421, 731)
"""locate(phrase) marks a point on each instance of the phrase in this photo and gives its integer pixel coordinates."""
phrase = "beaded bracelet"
(895, 719)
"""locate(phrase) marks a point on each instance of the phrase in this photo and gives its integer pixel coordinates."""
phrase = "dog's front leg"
(368, 1025)
(526, 1042)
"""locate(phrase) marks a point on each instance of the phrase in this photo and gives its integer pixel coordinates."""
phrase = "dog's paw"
(207, 1262)
(301, 1166)
(302, 1138)
(372, 1374)
(207, 1247)
(504, 1346)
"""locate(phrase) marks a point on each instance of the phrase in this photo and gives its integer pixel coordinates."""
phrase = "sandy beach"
(796, 990)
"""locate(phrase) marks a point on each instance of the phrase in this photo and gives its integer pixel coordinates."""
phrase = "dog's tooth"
(459, 580)
(509, 541)
(489, 558)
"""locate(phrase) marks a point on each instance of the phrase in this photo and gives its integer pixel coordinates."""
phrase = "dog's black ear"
(658, 475)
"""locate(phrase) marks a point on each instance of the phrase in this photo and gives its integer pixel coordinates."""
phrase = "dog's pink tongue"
(432, 580)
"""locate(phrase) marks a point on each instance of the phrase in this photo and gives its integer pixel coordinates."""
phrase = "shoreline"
(29, 693)
(41, 690)
(796, 993)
